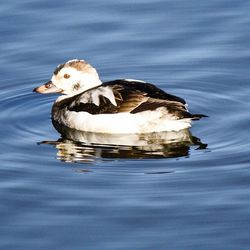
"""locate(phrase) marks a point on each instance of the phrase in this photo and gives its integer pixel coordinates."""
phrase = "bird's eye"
(48, 85)
(66, 76)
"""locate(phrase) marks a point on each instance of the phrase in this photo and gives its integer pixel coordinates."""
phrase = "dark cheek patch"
(76, 86)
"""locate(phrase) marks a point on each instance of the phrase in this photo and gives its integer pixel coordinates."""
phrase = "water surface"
(191, 194)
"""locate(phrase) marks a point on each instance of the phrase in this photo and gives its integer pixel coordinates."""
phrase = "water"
(60, 194)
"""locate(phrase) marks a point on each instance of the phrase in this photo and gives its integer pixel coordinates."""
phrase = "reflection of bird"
(120, 106)
(86, 146)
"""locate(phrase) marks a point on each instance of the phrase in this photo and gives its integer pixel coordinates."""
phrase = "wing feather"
(132, 97)
(175, 109)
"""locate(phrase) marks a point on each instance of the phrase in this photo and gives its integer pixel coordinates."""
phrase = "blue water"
(57, 193)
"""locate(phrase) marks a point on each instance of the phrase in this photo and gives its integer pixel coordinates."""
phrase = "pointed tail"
(198, 116)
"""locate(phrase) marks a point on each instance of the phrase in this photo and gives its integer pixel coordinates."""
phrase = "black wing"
(150, 89)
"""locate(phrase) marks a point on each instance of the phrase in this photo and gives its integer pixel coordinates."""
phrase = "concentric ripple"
(228, 118)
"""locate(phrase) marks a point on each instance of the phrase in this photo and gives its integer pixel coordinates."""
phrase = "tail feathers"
(198, 116)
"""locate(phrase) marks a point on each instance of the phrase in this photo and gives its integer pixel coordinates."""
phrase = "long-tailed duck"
(120, 106)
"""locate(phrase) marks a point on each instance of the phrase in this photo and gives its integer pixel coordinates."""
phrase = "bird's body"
(121, 106)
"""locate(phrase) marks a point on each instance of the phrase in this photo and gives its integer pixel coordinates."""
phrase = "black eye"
(66, 76)
(48, 85)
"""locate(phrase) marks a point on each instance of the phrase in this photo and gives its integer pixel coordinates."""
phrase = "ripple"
(152, 194)
(24, 114)
(228, 120)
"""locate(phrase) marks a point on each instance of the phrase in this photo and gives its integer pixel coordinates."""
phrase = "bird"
(123, 106)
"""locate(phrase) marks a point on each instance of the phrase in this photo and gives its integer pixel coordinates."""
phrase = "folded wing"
(128, 96)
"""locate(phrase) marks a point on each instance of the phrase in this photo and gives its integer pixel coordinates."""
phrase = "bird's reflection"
(85, 147)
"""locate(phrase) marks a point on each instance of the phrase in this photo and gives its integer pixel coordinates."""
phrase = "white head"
(71, 78)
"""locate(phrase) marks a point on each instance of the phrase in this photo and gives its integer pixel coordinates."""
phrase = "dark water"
(60, 194)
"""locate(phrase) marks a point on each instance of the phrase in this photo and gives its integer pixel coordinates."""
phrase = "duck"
(123, 106)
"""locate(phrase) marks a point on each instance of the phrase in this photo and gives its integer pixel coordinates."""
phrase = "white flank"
(122, 123)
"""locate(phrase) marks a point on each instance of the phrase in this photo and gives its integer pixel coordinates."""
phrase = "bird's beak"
(47, 88)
